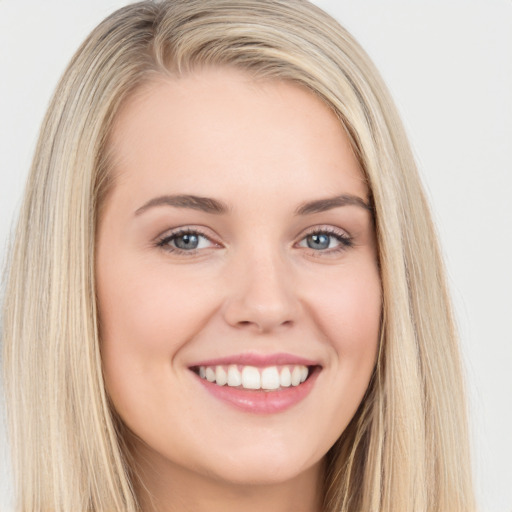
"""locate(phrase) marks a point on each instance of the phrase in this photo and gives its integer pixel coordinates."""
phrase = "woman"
(225, 287)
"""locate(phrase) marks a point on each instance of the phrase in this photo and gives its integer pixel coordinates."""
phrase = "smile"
(261, 384)
(270, 378)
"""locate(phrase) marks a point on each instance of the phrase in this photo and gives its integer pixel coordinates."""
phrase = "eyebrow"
(209, 205)
(322, 205)
(204, 204)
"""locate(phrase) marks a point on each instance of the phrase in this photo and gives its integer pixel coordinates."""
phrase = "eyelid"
(162, 240)
(344, 238)
(325, 228)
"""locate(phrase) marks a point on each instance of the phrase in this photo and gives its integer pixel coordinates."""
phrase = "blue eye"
(326, 241)
(186, 241)
(318, 241)
(190, 241)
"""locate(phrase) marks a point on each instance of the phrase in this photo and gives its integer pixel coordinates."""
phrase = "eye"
(185, 240)
(326, 240)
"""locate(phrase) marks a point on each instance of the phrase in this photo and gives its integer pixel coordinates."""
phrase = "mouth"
(258, 384)
(268, 378)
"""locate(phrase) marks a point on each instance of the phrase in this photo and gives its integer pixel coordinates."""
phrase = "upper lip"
(261, 360)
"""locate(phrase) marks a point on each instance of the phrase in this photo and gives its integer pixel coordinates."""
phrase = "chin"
(255, 465)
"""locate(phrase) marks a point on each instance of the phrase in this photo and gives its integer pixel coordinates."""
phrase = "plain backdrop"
(448, 64)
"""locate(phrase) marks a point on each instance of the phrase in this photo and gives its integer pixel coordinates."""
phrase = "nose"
(262, 294)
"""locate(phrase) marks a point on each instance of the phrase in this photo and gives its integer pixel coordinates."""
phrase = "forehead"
(219, 132)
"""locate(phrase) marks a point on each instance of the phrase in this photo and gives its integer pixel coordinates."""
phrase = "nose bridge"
(261, 291)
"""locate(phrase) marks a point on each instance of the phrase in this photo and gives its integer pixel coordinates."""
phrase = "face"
(237, 278)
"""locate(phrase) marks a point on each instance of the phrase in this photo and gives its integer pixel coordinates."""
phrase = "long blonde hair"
(407, 447)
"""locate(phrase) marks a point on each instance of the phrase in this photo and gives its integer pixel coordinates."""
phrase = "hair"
(407, 446)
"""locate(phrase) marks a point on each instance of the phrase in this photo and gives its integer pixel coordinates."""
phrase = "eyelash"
(345, 241)
(164, 242)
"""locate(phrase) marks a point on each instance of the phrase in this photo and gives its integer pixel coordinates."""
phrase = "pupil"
(187, 242)
(318, 241)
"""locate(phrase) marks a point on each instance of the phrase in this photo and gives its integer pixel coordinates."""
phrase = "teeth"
(210, 374)
(296, 375)
(221, 377)
(251, 377)
(234, 376)
(270, 378)
(286, 377)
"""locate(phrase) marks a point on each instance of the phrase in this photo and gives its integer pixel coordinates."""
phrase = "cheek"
(149, 310)
(349, 315)
(352, 325)
(145, 319)
(350, 311)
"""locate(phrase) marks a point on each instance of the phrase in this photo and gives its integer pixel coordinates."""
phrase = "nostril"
(261, 306)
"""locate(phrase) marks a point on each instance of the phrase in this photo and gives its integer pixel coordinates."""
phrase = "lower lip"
(261, 401)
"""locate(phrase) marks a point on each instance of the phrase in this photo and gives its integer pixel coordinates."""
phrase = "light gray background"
(448, 64)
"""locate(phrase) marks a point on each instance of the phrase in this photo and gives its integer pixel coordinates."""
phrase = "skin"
(253, 286)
